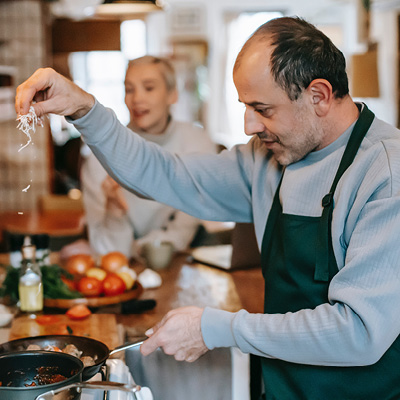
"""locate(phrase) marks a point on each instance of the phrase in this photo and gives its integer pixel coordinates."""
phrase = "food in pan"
(70, 349)
(47, 375)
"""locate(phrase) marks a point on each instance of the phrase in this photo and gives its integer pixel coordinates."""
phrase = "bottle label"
(31, 297)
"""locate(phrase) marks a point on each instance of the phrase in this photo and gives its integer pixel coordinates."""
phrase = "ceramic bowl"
(6, 315)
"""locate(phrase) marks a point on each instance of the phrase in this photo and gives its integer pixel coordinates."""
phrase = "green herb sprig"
(53, 286)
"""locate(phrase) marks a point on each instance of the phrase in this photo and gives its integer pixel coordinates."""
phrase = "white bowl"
(6, 315)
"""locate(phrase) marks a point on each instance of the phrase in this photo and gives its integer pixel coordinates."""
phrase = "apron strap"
(273, 216)
(325, 240)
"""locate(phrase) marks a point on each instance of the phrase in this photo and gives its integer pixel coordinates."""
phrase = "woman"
(119, 220)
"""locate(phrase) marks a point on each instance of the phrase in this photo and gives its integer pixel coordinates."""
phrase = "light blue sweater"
(361, 320)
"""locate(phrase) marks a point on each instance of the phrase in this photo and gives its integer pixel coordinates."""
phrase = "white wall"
(384, 31)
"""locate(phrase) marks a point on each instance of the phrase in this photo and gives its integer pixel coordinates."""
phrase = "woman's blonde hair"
(167, 70)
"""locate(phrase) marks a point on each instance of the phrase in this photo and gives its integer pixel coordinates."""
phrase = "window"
(102, 73)
(239, 29)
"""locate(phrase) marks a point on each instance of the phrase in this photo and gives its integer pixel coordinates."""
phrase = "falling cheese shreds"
(26, 189)
(27, 123)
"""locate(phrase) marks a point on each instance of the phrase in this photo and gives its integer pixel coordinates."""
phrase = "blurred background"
(90, 41)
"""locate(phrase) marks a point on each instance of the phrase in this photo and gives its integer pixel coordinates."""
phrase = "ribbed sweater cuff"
(216, 327)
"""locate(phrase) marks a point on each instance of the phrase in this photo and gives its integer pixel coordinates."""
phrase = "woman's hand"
(178, 334)
(52, 93)
(115, 200)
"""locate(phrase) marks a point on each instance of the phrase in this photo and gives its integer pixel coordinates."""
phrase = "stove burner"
(117, 371)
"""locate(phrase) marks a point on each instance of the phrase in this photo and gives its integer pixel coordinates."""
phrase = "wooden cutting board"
(102, 327)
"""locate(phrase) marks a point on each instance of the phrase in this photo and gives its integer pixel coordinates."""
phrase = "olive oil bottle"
(30, 285)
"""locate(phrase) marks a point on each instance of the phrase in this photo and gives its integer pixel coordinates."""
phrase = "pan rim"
(61, 337)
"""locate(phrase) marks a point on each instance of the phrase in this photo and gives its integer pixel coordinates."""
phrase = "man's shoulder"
(381, 131)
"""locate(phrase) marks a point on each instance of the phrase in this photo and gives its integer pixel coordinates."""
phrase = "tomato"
(57, 349)
(90, 287)
(47, 319)
(80, 311)
(69, 282)
(113, 285)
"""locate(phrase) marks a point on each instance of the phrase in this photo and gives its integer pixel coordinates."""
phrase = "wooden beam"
(87, 35)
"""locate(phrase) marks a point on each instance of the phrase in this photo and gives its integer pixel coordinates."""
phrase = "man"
(320, 179)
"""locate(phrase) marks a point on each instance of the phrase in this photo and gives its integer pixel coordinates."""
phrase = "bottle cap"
(28, 249)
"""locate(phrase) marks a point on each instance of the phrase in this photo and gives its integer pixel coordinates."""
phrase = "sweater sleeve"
(176, 180)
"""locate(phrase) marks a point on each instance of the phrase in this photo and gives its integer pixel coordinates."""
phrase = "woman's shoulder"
(187, 128)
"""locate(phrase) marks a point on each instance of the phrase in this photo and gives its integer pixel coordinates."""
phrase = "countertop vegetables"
(112, 276)
(78, 312)
(53, 285)
(79, 277)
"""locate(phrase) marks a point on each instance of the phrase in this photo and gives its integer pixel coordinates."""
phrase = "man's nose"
(252, 125)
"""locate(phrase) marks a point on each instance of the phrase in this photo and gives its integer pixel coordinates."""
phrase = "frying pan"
(90, 347)
(19, 369)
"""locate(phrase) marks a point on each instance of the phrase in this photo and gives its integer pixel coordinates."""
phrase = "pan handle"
(127, 346)
(91, 385)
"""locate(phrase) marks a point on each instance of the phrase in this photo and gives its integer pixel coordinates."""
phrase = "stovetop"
(116, 371)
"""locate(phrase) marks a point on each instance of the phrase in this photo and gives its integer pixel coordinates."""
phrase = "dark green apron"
(298, 263)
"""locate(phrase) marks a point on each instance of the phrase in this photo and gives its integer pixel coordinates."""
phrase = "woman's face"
(147, 98)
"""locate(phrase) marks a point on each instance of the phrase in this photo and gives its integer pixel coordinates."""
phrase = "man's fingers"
(178, 334)
(148, 346)
(53, 93)
(33, 89)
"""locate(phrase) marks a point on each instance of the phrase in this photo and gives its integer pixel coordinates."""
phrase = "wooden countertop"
(186, 283)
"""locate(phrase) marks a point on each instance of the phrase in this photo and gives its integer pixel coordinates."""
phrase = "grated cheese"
(28, 123)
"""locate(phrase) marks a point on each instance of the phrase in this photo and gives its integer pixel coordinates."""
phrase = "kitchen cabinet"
(87, 35)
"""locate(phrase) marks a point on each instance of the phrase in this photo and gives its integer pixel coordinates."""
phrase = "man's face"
(289, 129)
(147, 98)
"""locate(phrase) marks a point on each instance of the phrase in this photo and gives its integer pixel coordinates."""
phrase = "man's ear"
(320, 92)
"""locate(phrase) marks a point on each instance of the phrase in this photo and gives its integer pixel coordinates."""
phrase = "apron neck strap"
(357, 135)
(322, 270)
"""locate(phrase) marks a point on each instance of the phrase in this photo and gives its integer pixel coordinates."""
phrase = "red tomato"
(90, 287)
(113, 285)
(69, 282)
(80, 311)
